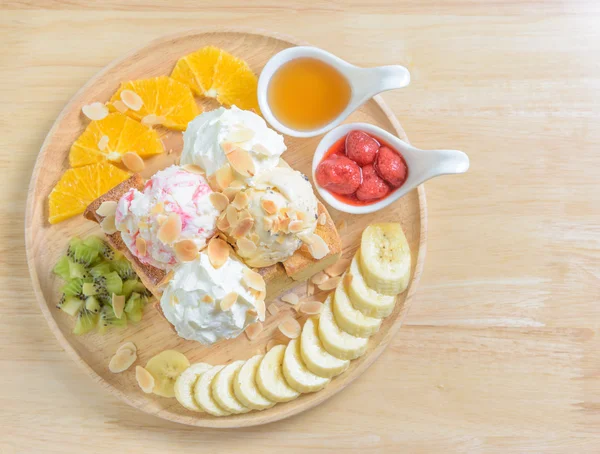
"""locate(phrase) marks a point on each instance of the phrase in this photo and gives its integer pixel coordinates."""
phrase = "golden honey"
(307, 93)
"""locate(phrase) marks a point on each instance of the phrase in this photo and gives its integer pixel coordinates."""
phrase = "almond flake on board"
(245, 246)
(108, 208)
(120, 106)
(127, 346)
(102, 143)
(108, 225)
(241, 134)
(169, 232)
(290, 298)
(118, 304)
(95, 111)
(322, 219)
(319, 278)
(218, 252)
(241, 200)
(330, 284)
(261, 310)
(133, 162)
(132, 100)
(241, 162)
(122, 360)
(144, 379)
(268, 206)
(260, 149)
(290, 328)
(253, 330)
(186, 250)
(338, 268)
(253, 280)
(242, 227)
(218, 200)
(319, 248)
(140, 244)
(228, 301)
(273, 309)
(193, 168)
(311, 307)
(208, 299)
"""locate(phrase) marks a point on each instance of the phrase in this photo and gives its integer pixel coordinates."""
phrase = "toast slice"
(279, 277)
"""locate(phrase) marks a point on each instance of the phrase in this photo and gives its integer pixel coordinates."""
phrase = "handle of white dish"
(390, 77)
(447, 162)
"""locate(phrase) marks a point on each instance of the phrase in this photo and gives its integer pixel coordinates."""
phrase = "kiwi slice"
(63, 268)
(86, 321)
(132, 285)
(101, 269)
(92, 304)
(71, 305)
(135, 307)
(89, 289)
(123, 268)
(113, 283)
(108, 318)
(79, 252)
(73, 288)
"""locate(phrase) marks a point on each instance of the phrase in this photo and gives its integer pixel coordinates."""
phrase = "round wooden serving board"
(46, 243)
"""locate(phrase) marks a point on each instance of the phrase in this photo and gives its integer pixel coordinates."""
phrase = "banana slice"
(296, 373)
(244, 386)
(315, 357)
(203, 393)
(385, 258)
(222, 389)
(166, 368)
(269, 377)
(349, 319)
(365, 299)
(337, 342)
(184, 385)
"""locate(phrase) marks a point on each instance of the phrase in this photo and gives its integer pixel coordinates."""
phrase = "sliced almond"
(241, 162)
(218, 200)
(245, 246)
(218, 252)
(143, 225)
(310, 289)
(319, 248)
(347, 279)
(260, 307)
(319, 278)
(140, 244)
(231, 192)
(253, 330)
(193, 168)
(300, 215)
(252, 313)
(153, 120)
(244, 214)
(284, 224)
(133, 162)
(165, 280)
(108, 225)
(232, 215)
(322, 219)
(228, 147)
(122, 361)
(241, 200)
(267, 224)
(224, 177)
(174, 300)
(260, 149)
(242, 228)
(241, 134)
(186, 250)
(132, 100)
(158, 208)
(273, 309)
(144, 379)
(161, 219)
(120, 106)
(212, 182)
(103, 143)
(228, 301)
(268, 206)
(290, 328)
(330, 284)
(223, 223)
(311, 307)
(253, 280)
(170, 231)
(208, 299)
(118, 304)
(95, 111)
(127, 346)
(108, 208)
(290, 298)
(338, 268)
(296, 226)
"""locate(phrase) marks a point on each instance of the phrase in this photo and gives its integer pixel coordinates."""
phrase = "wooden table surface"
(500, 350)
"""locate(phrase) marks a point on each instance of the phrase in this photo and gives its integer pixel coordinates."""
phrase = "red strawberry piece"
(361, 147)
(338, 174)
(391, 167)
(372, 187)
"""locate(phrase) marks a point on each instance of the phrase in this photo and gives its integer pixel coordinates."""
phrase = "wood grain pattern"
(46, 243)
(499, 352)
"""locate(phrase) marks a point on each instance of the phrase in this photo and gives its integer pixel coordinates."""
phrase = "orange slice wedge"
(112, 137)
(79, 187)
(164, 101)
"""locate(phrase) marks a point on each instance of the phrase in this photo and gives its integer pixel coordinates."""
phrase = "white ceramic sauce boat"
(365, 83)
(422, 165)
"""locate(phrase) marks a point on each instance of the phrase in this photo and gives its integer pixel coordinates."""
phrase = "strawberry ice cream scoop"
(174, 199)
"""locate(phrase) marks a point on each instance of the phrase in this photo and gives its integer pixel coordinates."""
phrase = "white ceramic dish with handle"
(422, 165)
(365, 83)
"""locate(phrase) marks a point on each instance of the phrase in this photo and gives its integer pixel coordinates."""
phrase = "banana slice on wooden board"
(222, 389)
(184, 385)
(337, 342)
(318, 360)
(245, 388)
(365, 299)
(385, 258)
(203, 393)
(296, 373)
(270, 379)
(349, 319)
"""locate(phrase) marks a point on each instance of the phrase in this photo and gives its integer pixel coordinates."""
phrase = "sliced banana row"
(328, 342)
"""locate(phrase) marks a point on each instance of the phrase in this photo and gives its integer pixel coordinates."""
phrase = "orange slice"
(112, 137)
(79, 187)
(214, 73)
(165, 101)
